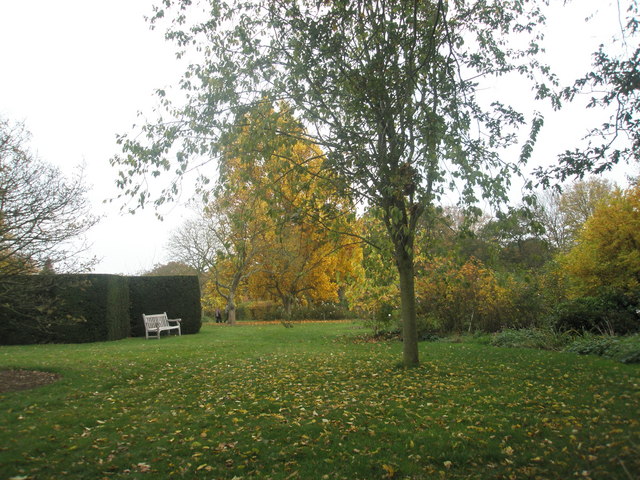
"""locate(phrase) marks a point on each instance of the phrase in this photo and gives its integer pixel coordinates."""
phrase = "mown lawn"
(306, 402)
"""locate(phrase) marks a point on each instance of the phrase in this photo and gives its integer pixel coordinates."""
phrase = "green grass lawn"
(306, 402)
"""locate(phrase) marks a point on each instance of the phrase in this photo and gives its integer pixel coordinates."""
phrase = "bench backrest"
(155, 321)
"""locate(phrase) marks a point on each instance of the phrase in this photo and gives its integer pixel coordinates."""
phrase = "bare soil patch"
(14, 380)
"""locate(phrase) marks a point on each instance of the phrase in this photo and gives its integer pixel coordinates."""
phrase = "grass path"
(268, 402)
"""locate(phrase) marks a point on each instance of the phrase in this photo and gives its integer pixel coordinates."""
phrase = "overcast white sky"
(77, 72)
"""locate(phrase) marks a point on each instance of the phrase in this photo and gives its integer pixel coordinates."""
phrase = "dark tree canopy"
(388, 89)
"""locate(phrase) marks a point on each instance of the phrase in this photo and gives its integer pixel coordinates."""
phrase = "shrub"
(592, 345)
(385, 318)
(321, 311)
(258, 311)
(242, 313)
(465, 297)
(427, 326)
(93, 308)
(622, 349)
(627, 350)
(264, 311)
(528, 305)
(609, 312)
(545, 339)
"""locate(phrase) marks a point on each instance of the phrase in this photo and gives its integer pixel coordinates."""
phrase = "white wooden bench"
(155, 324)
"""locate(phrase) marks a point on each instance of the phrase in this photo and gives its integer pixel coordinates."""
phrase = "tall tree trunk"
(408, 308)
(287, 303)
(231, 309)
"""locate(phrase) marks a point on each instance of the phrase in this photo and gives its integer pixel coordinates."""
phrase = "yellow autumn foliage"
(294, 210)
(304, 261)
(460, 297)
(607, 251)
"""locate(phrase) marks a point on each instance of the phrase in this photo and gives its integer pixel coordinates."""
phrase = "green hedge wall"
(66, 309)
(92, 307)
(102, 300)
(177, 295)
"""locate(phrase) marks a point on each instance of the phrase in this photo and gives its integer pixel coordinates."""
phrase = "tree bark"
(408, 309)
(287, 303)
(231, 310)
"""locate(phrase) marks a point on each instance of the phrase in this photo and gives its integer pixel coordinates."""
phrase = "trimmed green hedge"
(177, 295)
(66, 309)
(103, 302)
(93, 307)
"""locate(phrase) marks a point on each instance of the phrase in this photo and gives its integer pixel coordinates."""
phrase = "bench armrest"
(174, 320)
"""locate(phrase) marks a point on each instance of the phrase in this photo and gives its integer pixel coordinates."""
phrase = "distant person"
(218, 316)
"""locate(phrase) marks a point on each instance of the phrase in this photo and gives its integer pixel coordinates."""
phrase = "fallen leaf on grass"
(390, 470)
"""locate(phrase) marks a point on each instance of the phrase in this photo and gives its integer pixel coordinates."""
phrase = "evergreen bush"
(610, 311)
(545, 339)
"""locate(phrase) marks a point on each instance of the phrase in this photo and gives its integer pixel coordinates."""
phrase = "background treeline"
(569, 262)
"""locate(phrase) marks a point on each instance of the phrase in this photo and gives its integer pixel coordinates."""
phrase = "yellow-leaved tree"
(607, 252)
(275, 192)
(236, 220)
